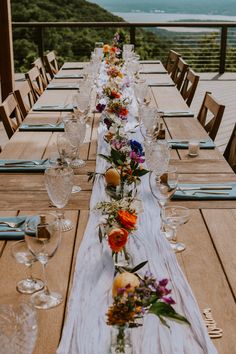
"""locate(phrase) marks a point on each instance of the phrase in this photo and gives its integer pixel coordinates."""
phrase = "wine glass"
(81, 103)
(164, 188)
(157, 155)
(148, 121)
(22, 255)
(43, 236)
(173, 217)
(76, 131)
(141, 91)
(18, 323)
(59, 183)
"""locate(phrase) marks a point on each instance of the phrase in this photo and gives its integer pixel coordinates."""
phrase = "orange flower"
(106, 48)
(127, 219)
(117, 239)
(113, 49)
(115, 94)
(124, 112)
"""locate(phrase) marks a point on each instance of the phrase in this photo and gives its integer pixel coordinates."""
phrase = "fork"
(34, 162)
(8, 223)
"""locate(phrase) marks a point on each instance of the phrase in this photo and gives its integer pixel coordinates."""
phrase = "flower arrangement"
(119, 220)
(135, 296)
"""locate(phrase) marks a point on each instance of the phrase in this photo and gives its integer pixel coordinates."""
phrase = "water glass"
(157, 156)
(148, 120)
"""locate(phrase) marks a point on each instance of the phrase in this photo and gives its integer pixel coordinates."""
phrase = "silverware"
(42, 125)
(204, 192)
(184, 141)
(10, 224)
(24, 163)
(11, 229)
(205, 188)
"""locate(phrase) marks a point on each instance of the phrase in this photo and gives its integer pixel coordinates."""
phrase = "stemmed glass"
(173, 217)
(141, 91)
(81, 103)
(157, 155)
(22, 255)
(59, 183)
(164, 188)
(43, 236)
(76, 131)
(148, 121)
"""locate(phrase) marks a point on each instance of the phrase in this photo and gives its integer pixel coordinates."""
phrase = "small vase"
(123, 258)
(120, 340)
(124, 190)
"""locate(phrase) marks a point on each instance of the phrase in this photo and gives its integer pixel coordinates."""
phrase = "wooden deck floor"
(222, 87)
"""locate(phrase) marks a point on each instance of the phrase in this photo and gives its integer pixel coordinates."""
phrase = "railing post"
(132, 35)
(40, 42)
(223, 47)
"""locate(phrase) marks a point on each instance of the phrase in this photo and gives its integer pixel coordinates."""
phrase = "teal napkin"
(159, 84)
(63, 87)
(7, 233)
(26, 167)
(153, 72)
(181, 144)
(149, 61)
(53, 108)
(42, 128)
(192, 195)
(178, 114)
(74, 67)
(68, 76)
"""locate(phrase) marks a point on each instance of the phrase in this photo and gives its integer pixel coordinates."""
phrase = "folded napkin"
(72, 67)
(153, 72)
(52, 108)
(26, 166)
(183, 144)
(42, 127)
(149, 61)
(206, 194)
(157, 84)
(178, 114)
(10, 233)
(68, 76)
(63, 87)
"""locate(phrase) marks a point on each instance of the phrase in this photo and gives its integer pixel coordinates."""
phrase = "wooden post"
(6, 49)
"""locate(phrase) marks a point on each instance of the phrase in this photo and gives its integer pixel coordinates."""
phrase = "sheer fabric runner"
(85, 330)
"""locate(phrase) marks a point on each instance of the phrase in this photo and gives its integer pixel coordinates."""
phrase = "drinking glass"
(67, 153)
(59, 183)
(81, 104)
(98, 49)
(164, 188)
(76, 131)
(173, 217)
(43, 236)
(22, 255)
(18, 327)
(157, 155)
(148, 121)
(141, 91)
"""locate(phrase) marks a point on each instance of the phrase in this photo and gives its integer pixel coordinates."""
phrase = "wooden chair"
(51, 64)
(45, 78)
(172, 61)
(35, 80)
(230, 151)
(179, 73)
(189, 86)
(10, 114)
(216, 110)
(25, 98)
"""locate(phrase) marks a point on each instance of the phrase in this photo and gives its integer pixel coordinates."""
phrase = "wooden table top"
(208, 262)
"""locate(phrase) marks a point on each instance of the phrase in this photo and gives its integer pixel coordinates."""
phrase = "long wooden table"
(208, 262)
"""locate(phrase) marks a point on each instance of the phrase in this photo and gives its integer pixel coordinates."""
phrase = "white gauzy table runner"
(85, 330)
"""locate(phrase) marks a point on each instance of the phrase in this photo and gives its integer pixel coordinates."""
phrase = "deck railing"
(205, 51)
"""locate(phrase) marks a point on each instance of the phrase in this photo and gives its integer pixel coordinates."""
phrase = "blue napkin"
(41, 128)
(153, 72)
(53, 108)
(27, 167)
(10, 234)
(63, 86)
(159, 84)
(208, 144)
(178, 114)
(68, 76)
(149, 61)
(72, 67)
(190, 195)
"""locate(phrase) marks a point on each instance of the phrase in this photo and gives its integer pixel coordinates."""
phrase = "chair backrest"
(189, 86)
(180, 72)
(25, 97)
(35, 81)
(172, 61)
(216, 110)
(230, 151)
(51, 64)
(10, 114)
(39, 64)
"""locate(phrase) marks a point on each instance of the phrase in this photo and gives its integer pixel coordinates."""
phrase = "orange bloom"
(127, 219)
(124, 112)
(117, 239)
(106, 48)
(115, 94)
(113, 49)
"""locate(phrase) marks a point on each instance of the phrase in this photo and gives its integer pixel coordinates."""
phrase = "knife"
(11, 229)
(185, 141)
(205, 188)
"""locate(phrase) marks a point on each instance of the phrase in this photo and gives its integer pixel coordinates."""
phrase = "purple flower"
(136, 147)
(100, 107)
(168, 300)
(163, 282)
(133, 155)
(107, 122)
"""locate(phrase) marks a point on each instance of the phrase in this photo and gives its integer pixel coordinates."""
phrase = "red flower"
(123, 112)
(127, 219)
(117, 239)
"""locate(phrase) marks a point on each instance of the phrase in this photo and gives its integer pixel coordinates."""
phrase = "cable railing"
(212, 49)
